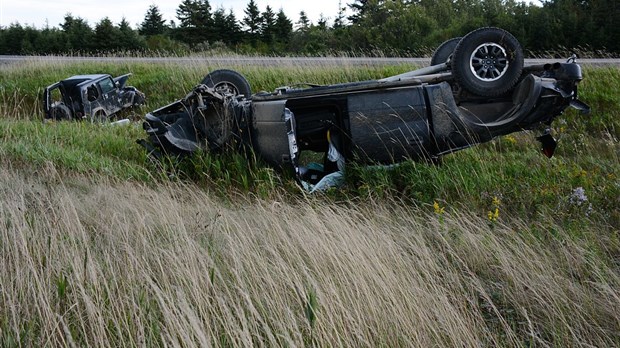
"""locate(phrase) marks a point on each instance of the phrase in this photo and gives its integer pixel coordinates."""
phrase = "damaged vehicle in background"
(95, 97)
(478, 90)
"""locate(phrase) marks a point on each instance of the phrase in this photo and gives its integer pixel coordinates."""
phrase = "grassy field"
(498, 246)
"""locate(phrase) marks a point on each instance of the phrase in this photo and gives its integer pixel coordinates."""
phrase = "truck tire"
(60, 112)
(487, 62)
(99, 116)
(444, 51)
(226, 81)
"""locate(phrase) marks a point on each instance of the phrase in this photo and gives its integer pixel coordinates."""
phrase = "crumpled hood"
(122, 80)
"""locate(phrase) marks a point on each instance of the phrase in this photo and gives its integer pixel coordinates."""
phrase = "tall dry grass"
(89, 262)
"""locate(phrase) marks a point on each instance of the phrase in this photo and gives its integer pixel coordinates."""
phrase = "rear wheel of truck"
(60, 112)
(226, 81)
(487, 62)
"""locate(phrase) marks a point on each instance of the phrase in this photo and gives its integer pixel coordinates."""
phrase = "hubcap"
(489, 62)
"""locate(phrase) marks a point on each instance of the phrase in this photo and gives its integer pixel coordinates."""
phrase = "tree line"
(391, 27)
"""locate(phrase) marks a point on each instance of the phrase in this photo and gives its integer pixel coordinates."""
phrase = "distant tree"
(604, 16)
(107, 36)
(225, 27)
(441, 11)
(406, 28)
(50, 41)
(375, 12)
(394, 26)
(31, 35)
(322, 23)
(361, 8)
(18, 39)
(154, 23)
(268, 25)
(128, 38)
(78, 33)
(340, 16)
(235, 34)
(303, 24)
(252, 21)
(399, 25)
(283, 28)
(585, 23)
(220, 26)
(13, 38)
(196, 22)
(468, 14)
(309, 38)
(3, 37)
(188, 13)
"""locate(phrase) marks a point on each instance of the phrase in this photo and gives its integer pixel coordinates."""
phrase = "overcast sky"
(52, 12)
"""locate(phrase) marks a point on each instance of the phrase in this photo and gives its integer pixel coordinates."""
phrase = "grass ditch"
(496, 246)
(509, 168)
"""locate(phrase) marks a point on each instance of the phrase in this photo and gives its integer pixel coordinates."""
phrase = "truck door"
(109, 96)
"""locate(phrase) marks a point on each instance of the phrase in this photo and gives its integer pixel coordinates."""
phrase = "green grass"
(527, 183)
(491, 247)
(511, 168)
(600, 88)
(81, 147)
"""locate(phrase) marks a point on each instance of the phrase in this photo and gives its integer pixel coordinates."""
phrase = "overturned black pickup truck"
(479, 89)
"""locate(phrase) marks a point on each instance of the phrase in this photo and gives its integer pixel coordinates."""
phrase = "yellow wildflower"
(510, 139)
(493, 215)
(495, 201)
(438, 209)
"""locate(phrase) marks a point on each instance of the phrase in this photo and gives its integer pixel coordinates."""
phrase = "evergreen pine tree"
(154, 23)
(268, 25)
(252, 21)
